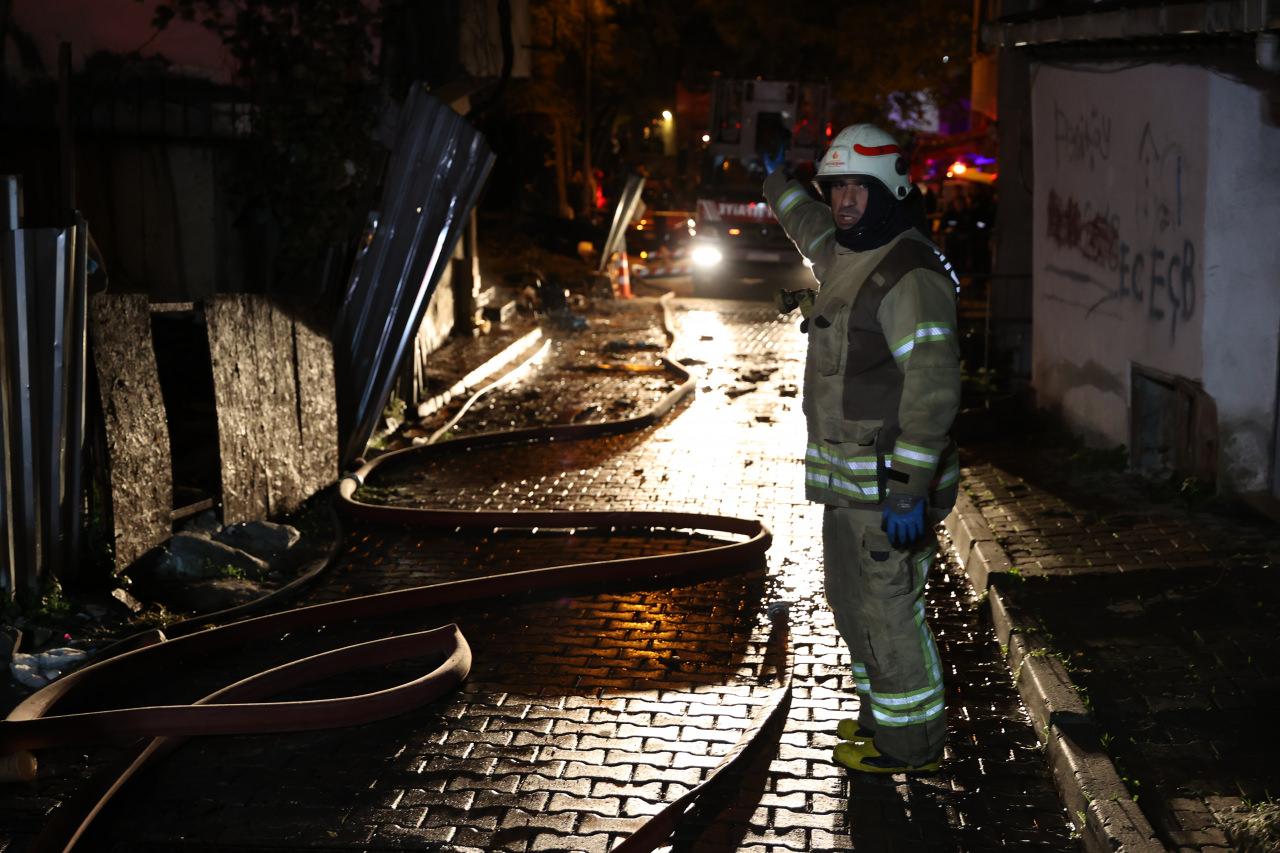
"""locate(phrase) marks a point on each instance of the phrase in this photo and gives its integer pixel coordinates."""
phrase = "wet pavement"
(587, 711)
(1161, 604)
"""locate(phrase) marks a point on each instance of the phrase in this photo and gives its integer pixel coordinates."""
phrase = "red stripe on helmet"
(873, 152)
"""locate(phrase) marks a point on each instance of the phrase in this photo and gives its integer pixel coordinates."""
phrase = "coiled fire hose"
(243, 707)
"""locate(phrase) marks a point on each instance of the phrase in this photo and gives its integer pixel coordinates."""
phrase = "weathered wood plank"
(136, 429)
(318, 409)
(278, 441)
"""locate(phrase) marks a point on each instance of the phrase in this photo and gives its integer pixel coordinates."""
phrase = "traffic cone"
(620, 272)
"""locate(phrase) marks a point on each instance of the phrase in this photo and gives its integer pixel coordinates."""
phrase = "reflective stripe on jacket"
(882, 372)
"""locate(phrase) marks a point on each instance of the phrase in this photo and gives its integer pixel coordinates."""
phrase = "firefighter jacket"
(882, 372)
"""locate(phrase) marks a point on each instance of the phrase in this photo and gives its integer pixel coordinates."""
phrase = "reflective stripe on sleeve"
(924, 333)
(790, 199)
(914, 455)
(948, 476)
(817, 241)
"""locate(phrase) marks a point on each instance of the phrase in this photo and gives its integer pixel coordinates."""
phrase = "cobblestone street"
(586, 712)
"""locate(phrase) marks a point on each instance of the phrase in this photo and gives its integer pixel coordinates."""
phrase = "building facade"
(1154, 199)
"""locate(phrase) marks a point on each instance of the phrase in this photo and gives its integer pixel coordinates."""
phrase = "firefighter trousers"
(876, 594)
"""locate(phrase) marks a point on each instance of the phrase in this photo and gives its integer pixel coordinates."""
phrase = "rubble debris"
(37, 670)
(262, 539)
(583, 413)
(130, 603)
(756, 375)
(619, 346)
(624, 367)
(568, 320)
(204, 523)
(190, 555)
(210, 595)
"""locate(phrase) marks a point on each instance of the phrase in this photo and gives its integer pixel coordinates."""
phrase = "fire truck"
(737, 244)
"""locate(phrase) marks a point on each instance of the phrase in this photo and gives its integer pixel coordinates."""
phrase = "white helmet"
(866, 150)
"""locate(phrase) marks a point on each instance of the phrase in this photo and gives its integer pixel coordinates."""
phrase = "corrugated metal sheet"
(438, 166)
(628, 204)
(42, 394)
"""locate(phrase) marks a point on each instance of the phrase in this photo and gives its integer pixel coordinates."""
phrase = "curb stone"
(1096, 799)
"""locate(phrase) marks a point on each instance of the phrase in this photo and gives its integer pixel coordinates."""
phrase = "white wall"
(1242, 280)
(1119, 235)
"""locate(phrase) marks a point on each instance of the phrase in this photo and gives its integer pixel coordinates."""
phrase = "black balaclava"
(883, 219)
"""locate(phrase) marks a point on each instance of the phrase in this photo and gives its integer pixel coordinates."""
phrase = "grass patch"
(1254, 827)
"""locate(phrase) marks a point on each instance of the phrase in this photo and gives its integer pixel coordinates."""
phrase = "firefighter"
(881, 388)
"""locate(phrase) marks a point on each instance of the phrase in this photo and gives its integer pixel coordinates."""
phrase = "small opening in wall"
(181, 343)
(1173, 426)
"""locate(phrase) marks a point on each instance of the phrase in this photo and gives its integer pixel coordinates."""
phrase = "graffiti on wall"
(1083, 137)
(1140, 261)
(1161, 169)
(1094, 234)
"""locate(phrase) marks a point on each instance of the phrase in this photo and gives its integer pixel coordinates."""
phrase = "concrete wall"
(1156, 203)
(1242, 281)
(1118, 252)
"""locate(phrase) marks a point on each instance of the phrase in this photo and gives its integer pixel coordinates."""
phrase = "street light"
(666, 115)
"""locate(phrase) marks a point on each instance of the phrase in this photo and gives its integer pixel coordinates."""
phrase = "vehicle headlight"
(707, 256)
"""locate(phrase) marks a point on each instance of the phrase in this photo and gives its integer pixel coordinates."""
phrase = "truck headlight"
(706, 256)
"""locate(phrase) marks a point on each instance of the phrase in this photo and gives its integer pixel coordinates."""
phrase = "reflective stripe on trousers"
(876, 594)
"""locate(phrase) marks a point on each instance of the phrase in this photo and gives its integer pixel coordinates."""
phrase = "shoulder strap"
(907, 254)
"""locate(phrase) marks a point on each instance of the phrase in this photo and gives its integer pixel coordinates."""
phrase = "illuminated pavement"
(584, 714)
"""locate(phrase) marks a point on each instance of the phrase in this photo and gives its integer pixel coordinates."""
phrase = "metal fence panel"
(438, 166)
(42, 395)
(10, 216)
(20, 424)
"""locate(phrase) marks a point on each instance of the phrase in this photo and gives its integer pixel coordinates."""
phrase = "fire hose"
(244, 707)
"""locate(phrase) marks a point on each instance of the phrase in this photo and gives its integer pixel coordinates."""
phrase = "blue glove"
(773, 161)
(903, 520)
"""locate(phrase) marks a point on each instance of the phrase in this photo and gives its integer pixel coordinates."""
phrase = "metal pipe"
(77, 385)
